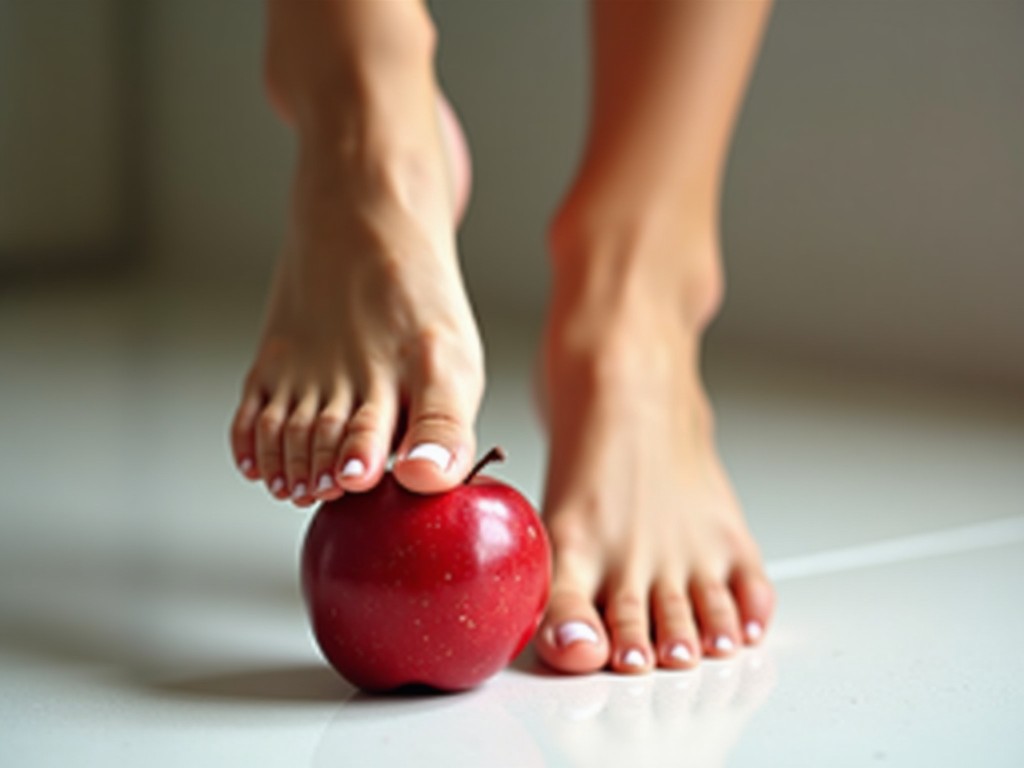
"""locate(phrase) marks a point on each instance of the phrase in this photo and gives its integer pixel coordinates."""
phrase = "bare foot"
(368, 326)
(653, 562)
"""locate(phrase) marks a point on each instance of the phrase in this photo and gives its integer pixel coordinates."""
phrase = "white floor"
(149, 611)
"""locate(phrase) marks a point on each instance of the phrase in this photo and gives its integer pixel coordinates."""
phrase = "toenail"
(276, 485)
(299, 491)
(431, 452)
(724, 644)
(680, 653)
(575, 632)
(754, 631)
(245, 465)
(353, 468)
(325, 483)
(634, 658)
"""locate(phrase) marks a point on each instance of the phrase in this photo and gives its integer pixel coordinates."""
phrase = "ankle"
(323, 59)
(642, 259)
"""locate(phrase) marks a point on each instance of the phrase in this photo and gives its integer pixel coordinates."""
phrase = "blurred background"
(867, 373)
(873, 211)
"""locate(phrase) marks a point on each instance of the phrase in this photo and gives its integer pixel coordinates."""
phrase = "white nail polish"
(325, 483)
(754, 631)
(575, 632)
(299, 491)
(680, 653)
(634, 658)
(276, 485)
(432, 452)
(724, 645)
(353, 468)
(245, 465)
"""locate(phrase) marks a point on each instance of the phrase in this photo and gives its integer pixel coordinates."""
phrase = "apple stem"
(495, 454)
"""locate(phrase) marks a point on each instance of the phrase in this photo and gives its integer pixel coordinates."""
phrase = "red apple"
(442, 590)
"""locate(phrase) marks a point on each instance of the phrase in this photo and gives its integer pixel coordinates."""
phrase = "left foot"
(653, 561)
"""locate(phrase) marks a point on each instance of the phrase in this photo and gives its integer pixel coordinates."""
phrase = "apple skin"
(442, 590)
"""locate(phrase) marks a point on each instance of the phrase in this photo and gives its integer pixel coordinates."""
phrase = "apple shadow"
(106, 612)
(317, 683)
(298, 683)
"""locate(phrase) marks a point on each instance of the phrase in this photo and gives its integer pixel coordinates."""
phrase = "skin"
(370, 342)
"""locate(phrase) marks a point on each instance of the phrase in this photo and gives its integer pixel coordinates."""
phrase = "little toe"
(626, 615)
(297, 444)
(438, 447)
(755, 599)
(675, 630)
(327, 432)
(572, 638)
(364, 448)
(243, 433)
(269, 448)
(717, 616)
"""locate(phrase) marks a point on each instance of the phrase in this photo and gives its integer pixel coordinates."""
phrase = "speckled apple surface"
(150, 611)
(441, 590)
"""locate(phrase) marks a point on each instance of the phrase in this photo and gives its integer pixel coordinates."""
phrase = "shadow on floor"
(313, 683)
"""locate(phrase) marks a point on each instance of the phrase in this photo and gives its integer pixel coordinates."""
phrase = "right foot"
(368, 325)
(652, 561)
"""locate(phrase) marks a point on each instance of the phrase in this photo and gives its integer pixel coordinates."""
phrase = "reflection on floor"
(150, 612)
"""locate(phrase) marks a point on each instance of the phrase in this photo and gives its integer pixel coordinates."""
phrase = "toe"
(365, 446)
(717, 616)
(327, 432)
(755, 599)
(678, 644)
(572, 638)
(437, 451)
(269, 448)
(626, 615)
(243, 433)
(297, 443)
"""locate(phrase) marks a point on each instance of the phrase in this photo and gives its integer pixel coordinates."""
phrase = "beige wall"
(875, 201)
(218, 160)
(61, 161)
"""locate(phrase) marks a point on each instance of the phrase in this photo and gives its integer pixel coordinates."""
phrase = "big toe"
(572, 637)
(437, 451)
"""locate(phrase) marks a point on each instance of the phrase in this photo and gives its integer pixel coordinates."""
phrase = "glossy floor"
(149, 612)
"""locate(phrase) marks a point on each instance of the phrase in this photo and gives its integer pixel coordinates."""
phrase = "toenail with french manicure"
(432, 452)
(724, 644)
(324, 484)
(754, 631)
(680, 653)
(634, 658)
(299, 491)
(575, 632)
(353, 468)
(276, 485)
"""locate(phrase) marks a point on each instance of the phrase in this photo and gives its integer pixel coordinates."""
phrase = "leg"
(648, 537)
(367, 325)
